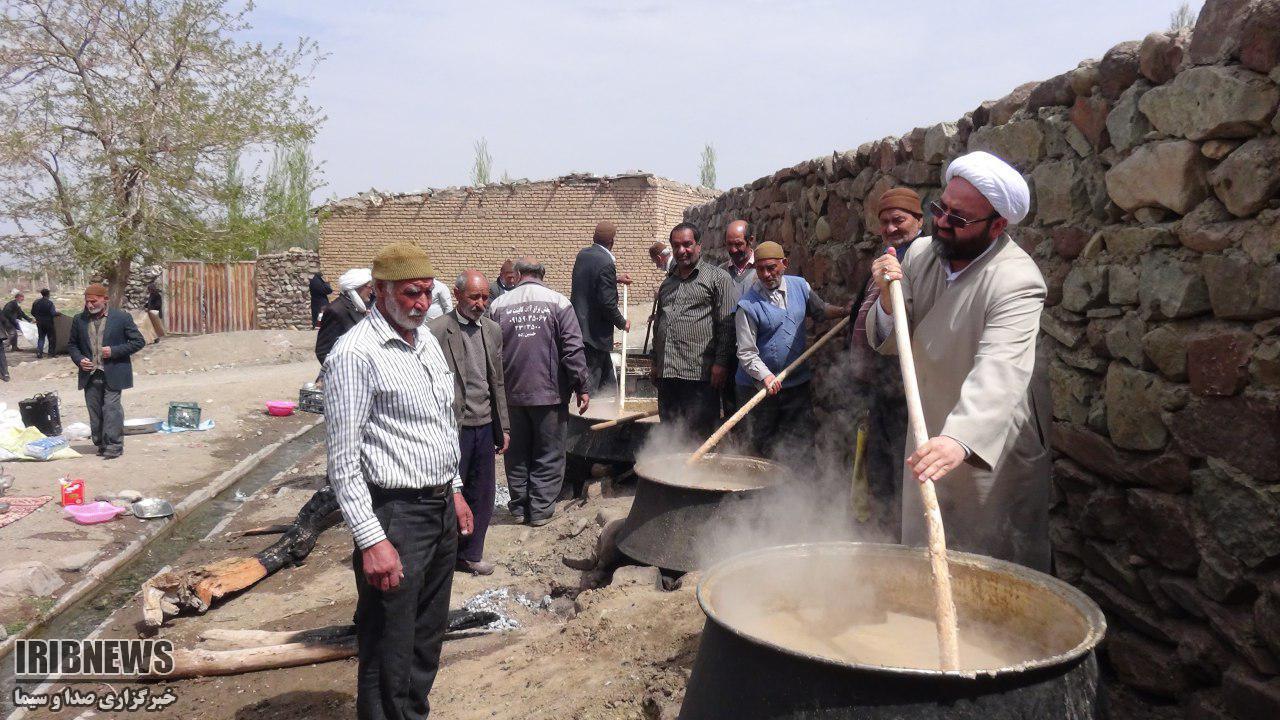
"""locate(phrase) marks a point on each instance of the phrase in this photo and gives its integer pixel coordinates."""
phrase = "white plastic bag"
(76, 431)
(29, 332)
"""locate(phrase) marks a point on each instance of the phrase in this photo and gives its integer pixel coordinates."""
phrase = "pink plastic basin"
(94, 512)
(281, 408)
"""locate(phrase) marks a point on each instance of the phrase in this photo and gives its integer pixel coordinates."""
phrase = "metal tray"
(142, 426)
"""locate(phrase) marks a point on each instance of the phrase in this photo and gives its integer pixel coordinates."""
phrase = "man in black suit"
(472, 345)
(13, 312)
(594, 297)
(44, 312)
(320, 290)
(101, 342)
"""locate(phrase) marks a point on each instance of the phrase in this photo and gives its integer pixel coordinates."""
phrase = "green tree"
(121, 118)
(286, 202)
(707, 167)
(1184, 18)
(483, 163)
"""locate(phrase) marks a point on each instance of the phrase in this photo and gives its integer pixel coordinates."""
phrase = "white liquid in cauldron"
(892, 640)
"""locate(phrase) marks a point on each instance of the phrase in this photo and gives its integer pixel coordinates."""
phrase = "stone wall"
(283, 295)
(1155, 173)
(484, 226)
(135, 292)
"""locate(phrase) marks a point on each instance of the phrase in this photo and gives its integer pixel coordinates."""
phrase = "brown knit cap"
(97, 289)
(605, 230)
(900, 198)
(769, 250)
(402, 261)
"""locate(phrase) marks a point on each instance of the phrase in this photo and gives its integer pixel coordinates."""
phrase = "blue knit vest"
(780, 334)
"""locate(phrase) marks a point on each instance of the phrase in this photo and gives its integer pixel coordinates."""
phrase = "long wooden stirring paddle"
(759, 397)
(918, 434)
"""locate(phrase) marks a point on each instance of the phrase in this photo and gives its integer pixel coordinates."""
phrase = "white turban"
(355, 279)
(999, 183)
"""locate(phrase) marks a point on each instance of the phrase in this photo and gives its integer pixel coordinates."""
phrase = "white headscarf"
(351, 281)
(999, 183)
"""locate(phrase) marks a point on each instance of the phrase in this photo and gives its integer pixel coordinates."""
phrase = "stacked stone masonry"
(283, 290)
(484, 226)
(1155, 175)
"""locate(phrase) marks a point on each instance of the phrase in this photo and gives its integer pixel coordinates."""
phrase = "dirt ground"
(231, 376)
(617, 651)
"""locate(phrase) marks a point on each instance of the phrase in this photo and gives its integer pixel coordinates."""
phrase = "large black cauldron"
(743, 675)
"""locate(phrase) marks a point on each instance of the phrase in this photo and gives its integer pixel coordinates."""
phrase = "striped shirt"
(389, 415)
(693, 329)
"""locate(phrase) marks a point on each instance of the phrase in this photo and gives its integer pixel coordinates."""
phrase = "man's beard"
(404, 320)
(949, 247)
(739, 259)
(773, 284)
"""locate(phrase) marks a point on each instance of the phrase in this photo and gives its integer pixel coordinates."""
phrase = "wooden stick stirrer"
(918, 434)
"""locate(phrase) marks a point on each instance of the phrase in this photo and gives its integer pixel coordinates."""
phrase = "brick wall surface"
(482, 227)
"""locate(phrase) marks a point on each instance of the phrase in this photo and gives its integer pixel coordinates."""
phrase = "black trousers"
(599, 371)
(886, 443)
(106, 415)
(4, 364)
(691, 403)
(44, 330)
(781, 427)
(399, 633)
(477, 470)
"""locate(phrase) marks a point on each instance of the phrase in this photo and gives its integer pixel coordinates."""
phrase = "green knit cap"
(402, 261)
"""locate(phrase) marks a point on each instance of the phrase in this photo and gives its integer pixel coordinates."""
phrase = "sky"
(609, 87)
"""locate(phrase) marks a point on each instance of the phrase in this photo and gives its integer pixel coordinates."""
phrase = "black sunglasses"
(955, 221)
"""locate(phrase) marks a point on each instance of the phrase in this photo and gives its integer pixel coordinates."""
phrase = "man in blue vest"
(771, 335)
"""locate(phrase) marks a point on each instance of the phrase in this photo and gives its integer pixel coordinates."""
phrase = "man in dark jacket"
(44, 312)
(594, 296)
(13, 312)
(320, 291)
(542, 362)
(353, 303)
(507, 279)
(472, 345)
(155, 311)
(101, 342)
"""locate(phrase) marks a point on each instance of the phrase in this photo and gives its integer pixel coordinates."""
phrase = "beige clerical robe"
(975, 351)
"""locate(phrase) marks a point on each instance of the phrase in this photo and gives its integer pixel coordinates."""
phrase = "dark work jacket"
(13, 312)
(155, 302)
(594, 297)
(43, 310)
(448, 331)
(121, 334)
(341, 315)
(320, 291)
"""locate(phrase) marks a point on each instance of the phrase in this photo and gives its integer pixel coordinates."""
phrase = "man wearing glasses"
(973, 301)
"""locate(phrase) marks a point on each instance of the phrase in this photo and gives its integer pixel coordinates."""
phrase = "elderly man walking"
(393, 463)
(693, 336)
(13, 312)
(900, 216)
(101, 344)
(355, 288)
(472, 346)
(594, 296)
(771, 336)
(973, 300)
(542, 362)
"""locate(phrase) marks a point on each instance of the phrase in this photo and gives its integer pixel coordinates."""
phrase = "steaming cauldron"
(617, 444)
(748, 666)
(677, 508)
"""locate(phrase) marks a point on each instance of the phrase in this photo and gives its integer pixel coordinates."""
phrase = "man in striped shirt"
(393, 462)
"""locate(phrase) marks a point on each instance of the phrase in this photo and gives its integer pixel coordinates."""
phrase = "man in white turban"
(973, 300)
(355, 288)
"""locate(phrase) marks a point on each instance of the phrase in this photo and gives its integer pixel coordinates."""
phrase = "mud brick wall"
(282, 286)
(1155, 174)
(484, 226)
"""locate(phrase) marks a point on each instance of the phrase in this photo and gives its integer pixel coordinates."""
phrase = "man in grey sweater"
(543, 362)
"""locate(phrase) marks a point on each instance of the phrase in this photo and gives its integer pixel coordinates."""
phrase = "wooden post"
(622, 369)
